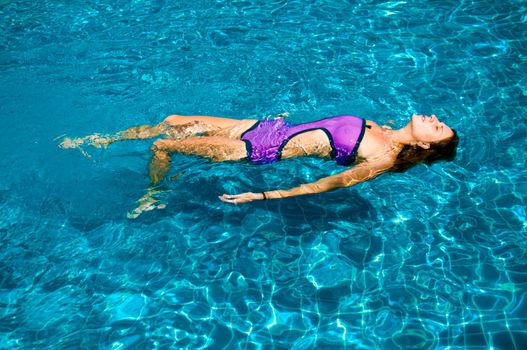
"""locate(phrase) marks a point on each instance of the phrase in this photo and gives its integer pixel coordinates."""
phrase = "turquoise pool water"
(435, 258)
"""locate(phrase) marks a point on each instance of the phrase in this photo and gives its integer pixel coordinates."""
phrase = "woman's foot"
(147, 203)
(71, 143)
(95, 140)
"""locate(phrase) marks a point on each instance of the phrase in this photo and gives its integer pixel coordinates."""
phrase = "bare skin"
(220, 141)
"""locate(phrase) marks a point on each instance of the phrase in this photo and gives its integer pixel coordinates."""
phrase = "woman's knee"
(161, 145)
(176, 119)
(173, 118)
(210, 122)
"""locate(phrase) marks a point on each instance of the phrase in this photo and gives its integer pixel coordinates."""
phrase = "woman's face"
(429, 129)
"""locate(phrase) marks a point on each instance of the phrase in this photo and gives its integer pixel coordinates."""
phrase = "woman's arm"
(359, 173)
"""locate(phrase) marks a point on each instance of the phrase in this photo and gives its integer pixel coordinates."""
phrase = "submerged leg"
(137, 133)
(160, 163)
(215, 148)
(157, 170)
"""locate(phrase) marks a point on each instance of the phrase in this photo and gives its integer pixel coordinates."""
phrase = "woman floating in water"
(349, 140)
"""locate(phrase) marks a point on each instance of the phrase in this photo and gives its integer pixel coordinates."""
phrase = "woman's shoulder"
(376, 127)
(375, 145)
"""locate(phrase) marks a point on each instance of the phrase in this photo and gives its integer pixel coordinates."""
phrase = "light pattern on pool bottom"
(284, 274)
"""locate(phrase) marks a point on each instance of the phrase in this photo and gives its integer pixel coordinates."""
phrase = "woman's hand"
(241, 198)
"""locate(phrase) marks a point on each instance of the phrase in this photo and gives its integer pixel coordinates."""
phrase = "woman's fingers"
(235, 198)
(230, 198)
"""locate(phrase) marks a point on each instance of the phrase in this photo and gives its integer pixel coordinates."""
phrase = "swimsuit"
(266, 139)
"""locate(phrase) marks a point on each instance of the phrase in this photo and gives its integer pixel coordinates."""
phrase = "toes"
(133, 215)
(67, 143)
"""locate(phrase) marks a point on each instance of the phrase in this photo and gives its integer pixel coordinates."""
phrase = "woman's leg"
(215, 148)
(213, 126)
(98, 140)
(174, 126)
(178, 126)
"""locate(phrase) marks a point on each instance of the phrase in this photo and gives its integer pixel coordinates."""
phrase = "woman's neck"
(402, 136)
